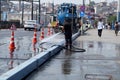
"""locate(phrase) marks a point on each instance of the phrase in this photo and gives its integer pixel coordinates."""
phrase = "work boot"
(66, 46)
(70, 46)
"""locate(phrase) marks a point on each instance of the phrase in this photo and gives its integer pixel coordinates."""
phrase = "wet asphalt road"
(23, 50)
(101, 61)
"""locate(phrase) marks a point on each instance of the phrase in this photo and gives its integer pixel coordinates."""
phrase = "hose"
(76, 49)
(73, 49)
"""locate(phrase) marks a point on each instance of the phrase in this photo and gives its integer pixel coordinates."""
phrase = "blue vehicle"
(66, 10)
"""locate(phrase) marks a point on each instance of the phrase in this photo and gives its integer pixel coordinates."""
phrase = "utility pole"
(22, 11)
(45, 14)
(83, 16)
(53, 11)
(36, 13)
(118, 11)
(19, 5)
(0, 10)
(32, 10)
(39, 11)
(53, 7)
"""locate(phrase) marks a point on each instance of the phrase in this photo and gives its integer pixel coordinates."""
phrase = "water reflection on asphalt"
(101, 61)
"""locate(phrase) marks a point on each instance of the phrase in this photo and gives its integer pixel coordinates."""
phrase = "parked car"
(31, 25)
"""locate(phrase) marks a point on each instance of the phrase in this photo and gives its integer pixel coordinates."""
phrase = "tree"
(112, 18)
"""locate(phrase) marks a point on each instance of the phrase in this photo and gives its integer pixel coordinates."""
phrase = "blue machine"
(66, 10)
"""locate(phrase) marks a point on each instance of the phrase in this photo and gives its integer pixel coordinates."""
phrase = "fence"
(7, 24)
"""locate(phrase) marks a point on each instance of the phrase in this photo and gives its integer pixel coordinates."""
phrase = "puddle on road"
(23, 51)
(75, 66)
(99, 48)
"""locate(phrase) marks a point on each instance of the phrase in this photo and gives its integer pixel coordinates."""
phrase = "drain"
(98, 77)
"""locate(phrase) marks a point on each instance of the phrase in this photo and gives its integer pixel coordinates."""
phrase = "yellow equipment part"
(54, 24)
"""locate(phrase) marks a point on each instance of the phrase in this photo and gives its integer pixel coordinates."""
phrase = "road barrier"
(34, 41)
(12, 44)
(42, 34)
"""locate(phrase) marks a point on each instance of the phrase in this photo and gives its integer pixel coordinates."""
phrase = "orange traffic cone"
(42, 34)
(12, 44)
(34, 37)
(34, 41)
(49, 33)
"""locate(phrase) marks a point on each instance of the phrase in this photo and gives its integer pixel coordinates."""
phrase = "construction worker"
(68, 32)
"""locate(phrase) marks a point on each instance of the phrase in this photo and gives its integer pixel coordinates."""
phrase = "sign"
(82, 8)
(89, 16)
(82, 14)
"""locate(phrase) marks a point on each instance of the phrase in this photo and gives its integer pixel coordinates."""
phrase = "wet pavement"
(101, 61)
(23, 51)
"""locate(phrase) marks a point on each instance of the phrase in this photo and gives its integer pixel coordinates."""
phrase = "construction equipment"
(67, 10)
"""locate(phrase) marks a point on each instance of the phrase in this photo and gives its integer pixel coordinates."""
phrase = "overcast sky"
(73, 1)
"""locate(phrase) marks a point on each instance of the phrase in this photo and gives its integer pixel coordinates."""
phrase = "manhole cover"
(98, 77)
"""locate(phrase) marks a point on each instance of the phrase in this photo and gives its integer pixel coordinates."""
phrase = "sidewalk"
(101, 61)
(107, 36)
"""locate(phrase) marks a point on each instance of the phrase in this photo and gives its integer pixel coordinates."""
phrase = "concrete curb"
(22, 70)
